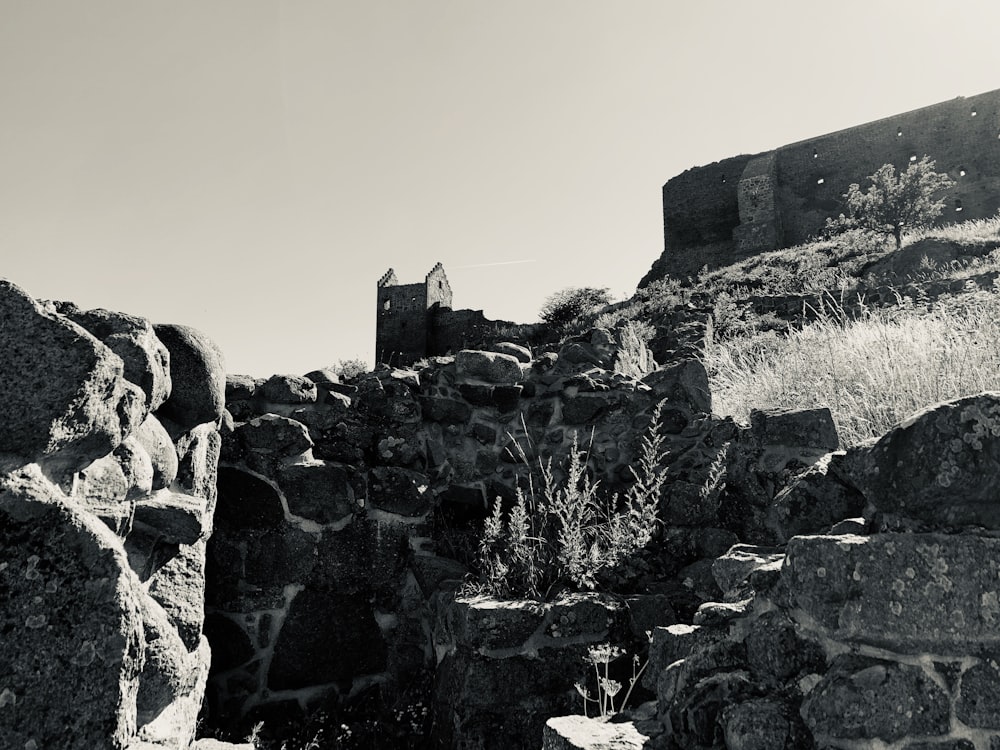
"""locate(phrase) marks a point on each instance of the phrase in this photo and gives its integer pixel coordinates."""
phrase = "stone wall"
(108, 452)
(706, 209)
(880, 632)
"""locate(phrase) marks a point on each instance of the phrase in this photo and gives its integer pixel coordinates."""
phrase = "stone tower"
(405, 315)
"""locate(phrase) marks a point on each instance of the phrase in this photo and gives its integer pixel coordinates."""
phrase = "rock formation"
(108, 455)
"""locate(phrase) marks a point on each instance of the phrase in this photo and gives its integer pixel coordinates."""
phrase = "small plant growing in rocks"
(608, 689)
(563, 533)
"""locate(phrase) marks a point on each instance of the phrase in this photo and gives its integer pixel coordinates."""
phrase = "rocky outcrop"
(887, 637)
(103, 523)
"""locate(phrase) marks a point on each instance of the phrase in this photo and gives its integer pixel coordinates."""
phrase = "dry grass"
(970, 233)
(872, 371)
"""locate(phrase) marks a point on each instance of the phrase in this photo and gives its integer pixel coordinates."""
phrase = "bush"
(567, 306)
(563, 534)
(350, 368)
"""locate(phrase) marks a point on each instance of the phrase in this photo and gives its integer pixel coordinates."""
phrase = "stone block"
(814, 502)
(485, 624)
(273, 435)
(582, 733)
(288, 389)
(326, 637)
(156, 441)
(733, 569)
(65, 399)
(763, 724)
(400, 491)
(490, 367)
(445, 410)
(176, 518)
(197, 374)
(939, 466)
(179, 587)
(777, 652)
(319, 490)
(803, 428)
(862, 698)
(978, 704)
(683, 383)
(73, 647)
(246, 502)
(145, 358)
(907, 592)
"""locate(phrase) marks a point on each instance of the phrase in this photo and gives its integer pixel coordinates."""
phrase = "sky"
(252, 167)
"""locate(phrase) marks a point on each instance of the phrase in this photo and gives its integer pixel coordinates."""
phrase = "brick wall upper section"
(702, 209)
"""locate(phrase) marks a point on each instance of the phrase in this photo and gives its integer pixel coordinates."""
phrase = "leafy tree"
(566, 306)
(893, 202)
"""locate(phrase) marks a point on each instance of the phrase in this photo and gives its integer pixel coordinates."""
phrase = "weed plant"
(562, 532)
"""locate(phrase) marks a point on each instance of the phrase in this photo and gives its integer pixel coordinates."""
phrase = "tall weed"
(562, 532)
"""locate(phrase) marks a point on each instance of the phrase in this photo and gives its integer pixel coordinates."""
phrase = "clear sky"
(251, 167)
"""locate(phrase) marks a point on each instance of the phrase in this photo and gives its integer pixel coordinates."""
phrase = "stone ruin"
(176, 542)
(721, 213)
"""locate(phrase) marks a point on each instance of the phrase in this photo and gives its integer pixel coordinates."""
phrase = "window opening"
(387, 304)
(973, 113)
(820, 181)
(961, 171)
(958, 205)
(815, 154)
(913, 158)
(899, 132)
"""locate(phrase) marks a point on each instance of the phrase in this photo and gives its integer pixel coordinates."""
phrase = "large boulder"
(65, 400)
(198, 376)
(940, 467)
(147, 361)
(73, 646)
(491, 367)
(905, 592)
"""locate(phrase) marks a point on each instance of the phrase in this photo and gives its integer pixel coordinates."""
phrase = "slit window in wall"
(961, 171)
(899, 132)
(815, 154)
(913, 158)
(973, 113)
(820, 181)
(723, 179)
(387, 305)
(958, 205)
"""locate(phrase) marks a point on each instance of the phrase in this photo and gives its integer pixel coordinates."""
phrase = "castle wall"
(401, 325)
(717, 214)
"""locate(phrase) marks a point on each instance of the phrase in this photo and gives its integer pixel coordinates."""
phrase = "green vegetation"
(561, 533)
(568, 306)
(894, 202)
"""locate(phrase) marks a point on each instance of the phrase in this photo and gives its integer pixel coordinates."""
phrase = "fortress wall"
(946, 132)
(702, 209)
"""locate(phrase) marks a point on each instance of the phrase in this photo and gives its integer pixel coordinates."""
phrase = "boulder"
(73, 646)
(65, 400)
(906, 592)
(197, 462)
(169, 671)
(179, 587)
(288, 389)
(136, 466)
(490, 367)
(864, 698)
(683, 383)
(198, 376)
(102, 489)
(176, 518)
(320, 491)
(814, 502)
(146, 359)
(940, 466)
(521, 353)
(155, 441)
(400, 491)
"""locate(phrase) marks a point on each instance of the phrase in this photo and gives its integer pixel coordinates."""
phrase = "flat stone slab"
(907, 592)
(582, 733)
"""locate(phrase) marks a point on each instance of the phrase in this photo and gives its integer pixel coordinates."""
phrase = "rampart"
(724, 212)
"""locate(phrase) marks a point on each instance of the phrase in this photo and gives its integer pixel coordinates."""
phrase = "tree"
(892, 203)
(568, 305)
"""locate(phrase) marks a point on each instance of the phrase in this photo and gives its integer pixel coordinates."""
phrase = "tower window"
(913, 158)
(387, 304)
(820, 181)
(961, 171)
(958, 205)
(899, 132)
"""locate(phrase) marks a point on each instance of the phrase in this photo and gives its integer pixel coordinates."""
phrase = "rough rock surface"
(198, 376)
(66, 402)
(73, 644)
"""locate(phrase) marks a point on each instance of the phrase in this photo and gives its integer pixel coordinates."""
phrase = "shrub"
(350, 368)
(564, 533)
(567, 306)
